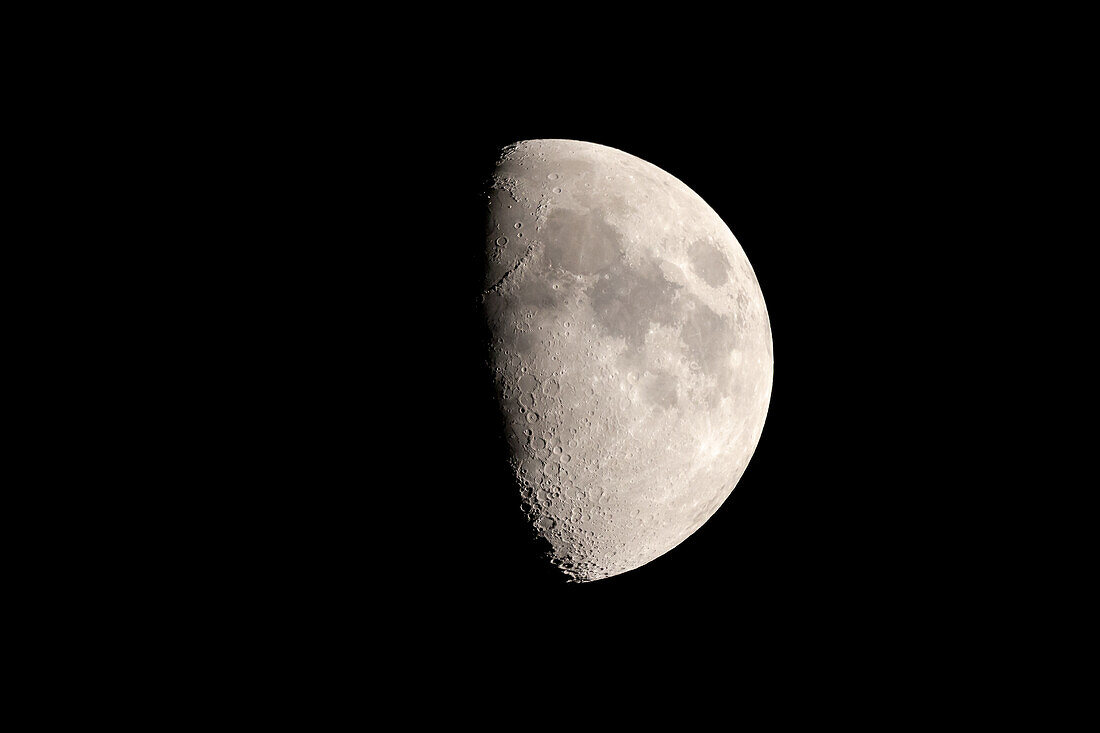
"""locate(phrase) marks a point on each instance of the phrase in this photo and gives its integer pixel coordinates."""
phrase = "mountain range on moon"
(631, 352)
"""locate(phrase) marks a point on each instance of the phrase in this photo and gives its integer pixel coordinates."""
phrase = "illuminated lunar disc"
(632, 352)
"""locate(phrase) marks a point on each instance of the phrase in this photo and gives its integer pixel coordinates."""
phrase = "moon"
(631, 352)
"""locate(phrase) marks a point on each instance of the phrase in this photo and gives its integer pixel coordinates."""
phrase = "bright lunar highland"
(632, 352)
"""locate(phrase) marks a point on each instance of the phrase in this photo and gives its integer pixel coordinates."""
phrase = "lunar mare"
(632, 352)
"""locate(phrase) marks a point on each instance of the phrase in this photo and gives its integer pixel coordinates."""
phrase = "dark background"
(385, 488)
(339, 505)
(308, 210)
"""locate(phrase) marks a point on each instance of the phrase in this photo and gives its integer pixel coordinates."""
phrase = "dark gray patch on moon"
(581, 242)
(709, 263)
(536, 292)
(709, 338)
(628, 300)
(660, 390)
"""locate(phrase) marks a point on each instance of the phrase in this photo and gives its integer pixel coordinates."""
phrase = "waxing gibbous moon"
(631, 352)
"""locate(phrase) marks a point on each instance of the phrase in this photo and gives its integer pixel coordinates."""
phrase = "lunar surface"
(632, 353)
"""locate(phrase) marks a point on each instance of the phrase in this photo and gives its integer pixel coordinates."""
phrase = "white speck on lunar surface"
(632, 352)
